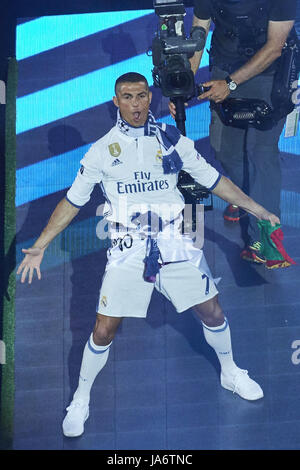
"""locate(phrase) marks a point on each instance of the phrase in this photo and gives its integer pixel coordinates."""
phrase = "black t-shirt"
(280, 10)
(241, 27)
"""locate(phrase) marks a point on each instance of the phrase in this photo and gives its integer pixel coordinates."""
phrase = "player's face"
(133, 100)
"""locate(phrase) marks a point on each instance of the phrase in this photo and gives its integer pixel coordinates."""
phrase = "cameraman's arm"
(196, 59)
(278, 32)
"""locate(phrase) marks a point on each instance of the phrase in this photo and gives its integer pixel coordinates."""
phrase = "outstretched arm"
(231, 193)
(61, 217)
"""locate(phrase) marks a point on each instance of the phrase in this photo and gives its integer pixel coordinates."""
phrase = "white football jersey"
(130, 173)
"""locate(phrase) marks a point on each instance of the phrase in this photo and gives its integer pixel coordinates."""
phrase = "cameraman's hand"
(218, 91)
(30, 263)
(172, 108)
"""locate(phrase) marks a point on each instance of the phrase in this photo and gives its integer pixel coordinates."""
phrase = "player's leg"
(123, 293)
(94, 358)
(217, 334)
(95, 354)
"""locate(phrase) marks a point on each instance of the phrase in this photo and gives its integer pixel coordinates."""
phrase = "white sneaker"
(78, 413)
(241, 384)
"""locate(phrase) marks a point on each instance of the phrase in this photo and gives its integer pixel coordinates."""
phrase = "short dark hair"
(131, 77)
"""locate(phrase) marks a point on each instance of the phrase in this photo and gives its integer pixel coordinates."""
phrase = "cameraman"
(248, 38)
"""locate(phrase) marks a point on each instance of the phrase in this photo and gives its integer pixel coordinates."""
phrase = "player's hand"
(218, 91)
(31, 263)
(172, 108)
(272, 218)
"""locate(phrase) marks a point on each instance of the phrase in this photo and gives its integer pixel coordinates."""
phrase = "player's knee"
(210, 312)
(103, 336)
(104, 333)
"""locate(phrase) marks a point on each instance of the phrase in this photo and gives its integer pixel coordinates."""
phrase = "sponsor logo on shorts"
(103, 301)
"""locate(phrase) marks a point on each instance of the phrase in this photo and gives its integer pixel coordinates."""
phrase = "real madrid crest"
(114, 149)
(159, 156)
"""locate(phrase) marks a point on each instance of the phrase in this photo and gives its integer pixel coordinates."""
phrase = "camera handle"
(180, 116)
(192, 192)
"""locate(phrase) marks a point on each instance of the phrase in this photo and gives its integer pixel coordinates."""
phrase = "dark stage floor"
(160, 388)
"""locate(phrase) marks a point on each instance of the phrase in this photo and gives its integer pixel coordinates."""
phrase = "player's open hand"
(31, 263)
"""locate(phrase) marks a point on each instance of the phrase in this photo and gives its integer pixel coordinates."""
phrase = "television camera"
(171, 51)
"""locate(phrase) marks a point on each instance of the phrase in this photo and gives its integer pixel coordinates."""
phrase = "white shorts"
(125, 293)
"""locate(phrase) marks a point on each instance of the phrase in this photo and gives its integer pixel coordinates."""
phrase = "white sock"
(93, 360)
(219, 339)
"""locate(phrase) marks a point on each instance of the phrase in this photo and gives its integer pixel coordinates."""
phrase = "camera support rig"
(171, 51)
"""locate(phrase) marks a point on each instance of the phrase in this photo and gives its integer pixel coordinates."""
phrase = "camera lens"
(178, 80)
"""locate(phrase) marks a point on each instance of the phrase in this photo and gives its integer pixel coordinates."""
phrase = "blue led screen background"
(65, 88)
